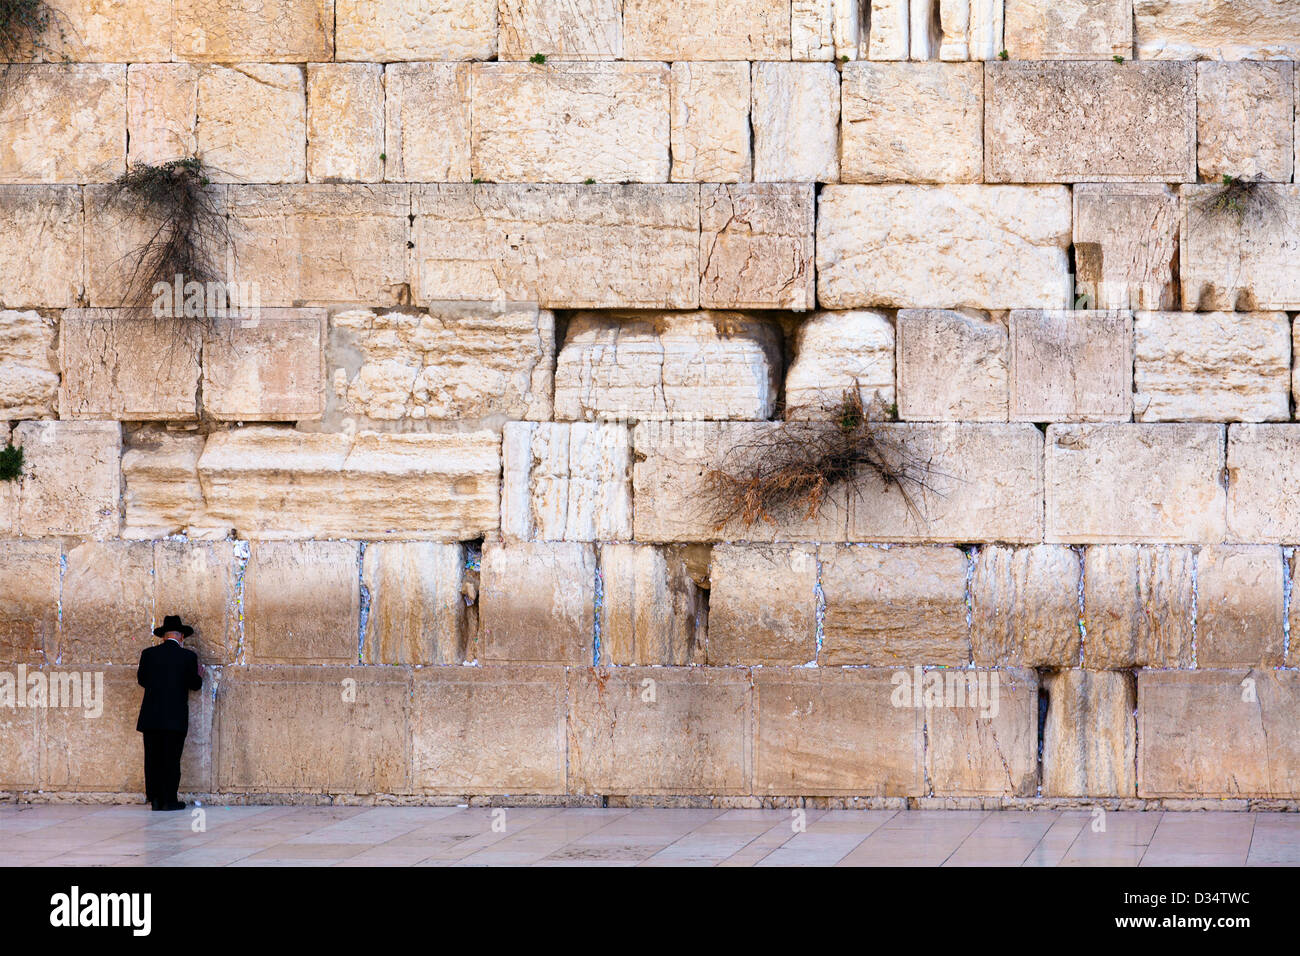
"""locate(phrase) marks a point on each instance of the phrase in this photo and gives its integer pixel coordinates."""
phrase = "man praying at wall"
(167, 672)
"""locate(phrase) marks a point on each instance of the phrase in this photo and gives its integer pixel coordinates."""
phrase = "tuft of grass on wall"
(1237, 198)
(11, 463)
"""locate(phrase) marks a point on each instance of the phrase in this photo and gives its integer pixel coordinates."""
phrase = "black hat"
(172, 623)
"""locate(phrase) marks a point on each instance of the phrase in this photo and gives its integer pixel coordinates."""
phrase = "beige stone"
(710, 131)
(63, 123)
(952, 366)
(162, 111)
(1069, 29)
(986, 29)
(417, 605)
(345, 122)
(838, 352)
(230, 31)
(388, 30)
(1126, 245)
(1208, 30)
(1160, 483)
(989, 746)
(1090, 736)
(1240, 259)
(559, 246)
(795, 114)
(265, 369)
(538, 603)
(756, 246)
(1239, 615)
(1244, 120)
(302, 601)
(892, 607)
(48, 272)
(652, 610)
(819, 731)
(71, 482)
(706, 30)
(924, 30)
(621, 721)
(954, 27)
(161, 493)
(584, 30)
(1263, 479)
(20, 747)
(253, 123)
(197, 580)
(29, 371)
(1025, 606)
(912, 122)
(1137, 606)
(427, 122)
(986, 247)
(106, 602)
(826, 30)
(762, 605)
(1293, 608)
(1071, 365)
(1061, 122)
(111, 31)
(889, 37)
(29, 615)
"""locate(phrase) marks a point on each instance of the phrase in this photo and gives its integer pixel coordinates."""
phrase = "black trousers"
(162, 764)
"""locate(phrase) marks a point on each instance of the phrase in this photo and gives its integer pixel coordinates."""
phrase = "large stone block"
(345, 122)
(1263, 479)
(29, 614)
(889, 37)
(20, 747)
(1244, 120)
(795, 115)
(586, 30)
(653, 610)
(826, 30)
(427, 122)
(1071, 365)
(162, 111)
(1060, 122)
(106, 603)
(987, 247)
(388, 30)
(912, 122)
(63, 123)
(302, 602)
(1239, 614)
(706, 30)
(987, 746)
(1160, 483)
(537, 603)
(756, 246)
(72, 481)
(952, 366)
(838, 352)
(252, 123)
(1240, 258)
(641, 730)
(29, 369)
(110, 31)
(1210, 30)
(161, 493)
(1137, 606)
(48, 271)
(265, 369)
(710, 130)
(1069, 29)
(1025, 606)
(1126, 245)
(230, 31)
(198, 580)
(1090, 736)
(416, 611)
(762, 605)
(559, 246)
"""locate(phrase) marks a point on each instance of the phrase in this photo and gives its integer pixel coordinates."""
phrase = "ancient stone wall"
(526, 271)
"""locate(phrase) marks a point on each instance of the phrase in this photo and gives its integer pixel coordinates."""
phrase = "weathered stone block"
(1239, 616)
(1069, 29)
(29, 613)
(538, 603)
(388, 30)
(889, 37)
(197, 581)
(161, 493)
(756, 246)
(989, 745)
(427, 122)
(586, 30)
(302, 602)
(63, 123)
(111, 31)
(1137, 607)
(345, 122)
(71, 481)
(1126, 244)
(1025, 607)
(20, 747)
(1240, 258)
(762, 605)
(252, 123)
(417, 605)
(795, 115)
(1263, 480)
(1089, 739)
(230, 31)
(710, 131)
(955, 32)
(265, 369)
(48, 272)
(162, 111)
(107, 603)
(29, 369)
(952, 366)
(1244, 120)
(652, 610)
(1072, 365)
(706, 30)
(838, 352)
(826, 30)
(1208, 30)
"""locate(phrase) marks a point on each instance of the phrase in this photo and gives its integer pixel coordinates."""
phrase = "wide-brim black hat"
(172, 623)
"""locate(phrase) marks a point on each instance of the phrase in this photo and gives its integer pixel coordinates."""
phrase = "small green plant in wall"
(11, 463)
(537, 58)
(1237, 197)
(1004, 55)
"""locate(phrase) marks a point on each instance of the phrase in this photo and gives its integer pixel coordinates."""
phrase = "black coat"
(167, 672)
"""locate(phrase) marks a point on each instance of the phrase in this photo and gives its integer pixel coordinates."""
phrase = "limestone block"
(1126, 245)
(63, 123)
(648, 730)
(538, 603)
(1244, 120)
(1293, 609)
(1239, 616)
(762, 605)
(162, 111)
(650, 367)
(652, 610)
(954, 26)
(566, 482)
(1160, 482)
(976, 750)
(1063, 122)
(835, 732)
(709, 123)
(71, 481)
(924, 29)
(756, 246)
(197, 580)
(1069, 29)
(302, 601)
(1263, 480)
(1244, 260)
(825, 30)
(1211, 733)
(388, 30)
(986, 29)
(837, 352)
(584, 30)
(427, 122)
(488, 730)
(129, 367)
(893, 607)
(322, 243)
(417, 608)
(1071, 365)
(29, 370)
(889, 39)
(1025, 606)
(952, 366)
(570, 122)
(29, 614)
(48, 272)
(345, 122)
(1089, 739)
(161, 493)
(986, 247)
(559, 246)
(1137, 606)
(265, 369)
(107, 603)
(1296, 163)
(110, 31)
(230, 31)
(706, 30)
(277, 483)
(1208, 30)
(20, 747)
(795, 112)
(1217, 366)
(252, 124)
(913, 122)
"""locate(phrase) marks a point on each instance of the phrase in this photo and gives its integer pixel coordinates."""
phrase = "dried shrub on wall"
(27, 29)
(1237, 198)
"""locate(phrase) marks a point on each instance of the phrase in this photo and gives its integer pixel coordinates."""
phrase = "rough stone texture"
(71, 478)
(1137, 605)
(1221, 366)
(584, 30)
(570, 122)
(1239, 615)
(972, 751)
(277, 483)
(987, 26)
(1264, 484)
(835, 732)
(756, 246)
(1160, 482)
(388, 30)
(252, 123)
(20, 747)
(45, 273)
(113, 31)
(954, 28)
(226, 31)
(650, 367)
(1293, 615)
(29, 614)
(559, 246)
(837, 352)
(462, 362)
(952, 366)
(1090, 122)
(566, 482)
(1069, 29)
(63, 123)
(538, 603)
(29, 370)
(302, 602)
(417, 606)
(1242, 260)
(987, 247)
(795, 114)
(162, 111)
(197, 581)
(161, 493)
(892, 607)
(653, 611)
(106, 603)
(427, 122)
(265, 369)
(1211, 30)
(705, 713)
(1089, 739)
(912, 122)
(825, 30)
(762, 605)
(1244, 120)
(1209, 734)
(345, 122)
(1126, 245)
(1025, 607)
(889, 39)
(706, 30)
(710, 134)
(1071, 365)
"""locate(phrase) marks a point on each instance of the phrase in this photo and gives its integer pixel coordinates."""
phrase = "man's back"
(167, 672)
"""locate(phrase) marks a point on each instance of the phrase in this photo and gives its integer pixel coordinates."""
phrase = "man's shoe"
(174, 805)
(155, 804)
